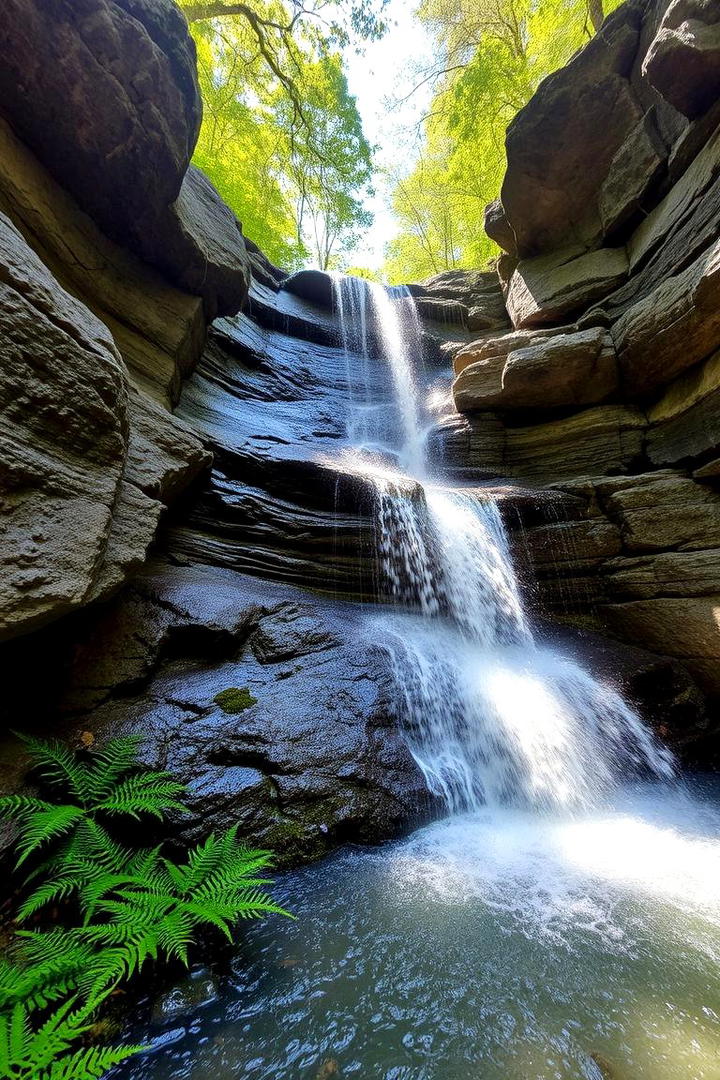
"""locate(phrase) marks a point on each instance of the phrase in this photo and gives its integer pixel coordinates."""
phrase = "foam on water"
(501, 945)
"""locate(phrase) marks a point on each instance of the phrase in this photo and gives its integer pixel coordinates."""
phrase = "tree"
(329, 163)
(596, 13)
(491, 55)
(280, 32)
(286, 151)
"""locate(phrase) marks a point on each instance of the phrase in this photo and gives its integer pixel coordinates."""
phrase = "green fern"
(46, 1052)
(108, 785)
(136, 905)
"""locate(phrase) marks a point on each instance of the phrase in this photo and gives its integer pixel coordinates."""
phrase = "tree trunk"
(596, 13)
(201, 11)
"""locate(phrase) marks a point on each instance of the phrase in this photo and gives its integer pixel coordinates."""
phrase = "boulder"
(125, 74)
(673, 327)
(198, 243)
(526, 370)
(313, 285)
(561, 145)
(549, 288)
(311, 755)
(105, 92)
(683, 61)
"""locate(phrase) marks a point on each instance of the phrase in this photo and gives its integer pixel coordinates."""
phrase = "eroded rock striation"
(606, 389)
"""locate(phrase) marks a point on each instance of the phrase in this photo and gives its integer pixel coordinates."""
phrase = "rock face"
(107, 297)
(526, 370)
(683, 61)
(606, 393)
(81, 479)
(128, 68)
(560, 147)
(547, 289)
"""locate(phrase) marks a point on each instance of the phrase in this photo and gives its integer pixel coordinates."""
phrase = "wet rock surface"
(316, 757)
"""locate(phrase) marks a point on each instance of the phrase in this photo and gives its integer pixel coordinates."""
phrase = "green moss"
(235, 699)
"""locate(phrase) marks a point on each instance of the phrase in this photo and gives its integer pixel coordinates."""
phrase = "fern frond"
(42, 968)
(109, 763)
(58, 765)
(90, 1064)
(150, 793)
(46, 825)
(91, 842)
(176, 934)
(20, 806)
(53, 891)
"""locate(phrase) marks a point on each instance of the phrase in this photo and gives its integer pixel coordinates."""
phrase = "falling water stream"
(561, 920)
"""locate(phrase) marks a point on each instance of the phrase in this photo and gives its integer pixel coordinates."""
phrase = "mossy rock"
(235, 699)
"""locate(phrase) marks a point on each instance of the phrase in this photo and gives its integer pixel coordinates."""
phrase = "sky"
(380, 79)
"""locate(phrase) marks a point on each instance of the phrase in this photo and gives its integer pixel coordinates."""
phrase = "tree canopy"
(491, 56)
(282, 138)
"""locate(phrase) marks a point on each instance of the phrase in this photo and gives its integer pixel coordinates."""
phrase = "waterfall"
(491, 716)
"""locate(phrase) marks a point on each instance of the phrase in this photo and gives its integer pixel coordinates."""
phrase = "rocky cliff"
(115, 253)
(185, 551)
(606, 389)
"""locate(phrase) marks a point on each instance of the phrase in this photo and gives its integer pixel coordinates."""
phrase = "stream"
(562, 919)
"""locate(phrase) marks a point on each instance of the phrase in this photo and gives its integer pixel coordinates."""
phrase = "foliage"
(45, 1052)
(281, 137)
(235, 699)
(492, 54)
(132, 904)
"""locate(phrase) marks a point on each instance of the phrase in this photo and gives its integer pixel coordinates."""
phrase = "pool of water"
(503, 945)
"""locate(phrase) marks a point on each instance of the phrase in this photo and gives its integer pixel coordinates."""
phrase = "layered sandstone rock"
(526, 370)
(616, 159)
(85, 458)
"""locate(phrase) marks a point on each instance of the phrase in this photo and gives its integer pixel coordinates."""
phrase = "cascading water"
(498, 943)
(491, 716)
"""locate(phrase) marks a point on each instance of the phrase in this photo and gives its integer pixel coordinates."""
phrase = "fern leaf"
(58, 765)
(109, 763)
(43, 968)
(145, 793)
(91, 842)
(45, 825)
(50, 892)
(21, 806)
(91, 1063)
(175, 935)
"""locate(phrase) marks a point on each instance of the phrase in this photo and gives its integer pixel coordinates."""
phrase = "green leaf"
(46, 825)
